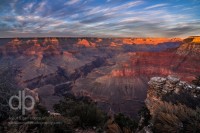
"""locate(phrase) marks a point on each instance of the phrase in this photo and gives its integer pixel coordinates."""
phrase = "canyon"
(114, 72)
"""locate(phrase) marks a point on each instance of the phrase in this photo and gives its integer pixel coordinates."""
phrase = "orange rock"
(84, 42)
(152, 41)
(196, 39)
(99, 40)
(127, 41)
(113, 44)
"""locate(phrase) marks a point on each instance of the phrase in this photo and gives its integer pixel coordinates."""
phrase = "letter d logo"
(18, 98)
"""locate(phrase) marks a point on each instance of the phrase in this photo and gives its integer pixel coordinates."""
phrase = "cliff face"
(173, 105)
(190, 46)
(183, 61)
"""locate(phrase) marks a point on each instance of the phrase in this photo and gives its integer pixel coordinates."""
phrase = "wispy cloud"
(127, 5)
(71, 2)
(95, 18)
(155, 6)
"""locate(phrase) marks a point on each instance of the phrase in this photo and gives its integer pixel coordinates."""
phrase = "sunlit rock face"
(84, 42)
(191, 46)
(150, 41)
(161, 63)
(112, 72)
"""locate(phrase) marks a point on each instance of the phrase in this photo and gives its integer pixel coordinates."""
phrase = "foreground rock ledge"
(170, 87)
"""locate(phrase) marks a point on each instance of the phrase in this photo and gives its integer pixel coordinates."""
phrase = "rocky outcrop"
(159, 86)
(172, 103)
(86, 43)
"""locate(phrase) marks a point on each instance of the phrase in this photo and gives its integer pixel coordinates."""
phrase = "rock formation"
(84, 42)
(170, 99)
(191, 46)
(159, 86)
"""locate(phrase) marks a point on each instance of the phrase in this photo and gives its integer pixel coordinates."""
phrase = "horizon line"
(95, 37)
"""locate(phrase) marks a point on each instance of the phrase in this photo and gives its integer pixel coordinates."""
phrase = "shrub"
(82, 111)
(175, 118)
(125, 123)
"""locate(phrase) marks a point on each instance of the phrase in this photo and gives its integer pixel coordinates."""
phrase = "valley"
(114, 72)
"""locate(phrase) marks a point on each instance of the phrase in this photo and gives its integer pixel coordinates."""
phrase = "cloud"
(155, 6)
(95, 18)
(28, 6)
(41, 7)
(71, 2)
(126, 5)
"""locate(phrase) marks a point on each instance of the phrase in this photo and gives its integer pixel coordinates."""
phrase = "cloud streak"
(71, 2)
(156, 6)
(119, 18)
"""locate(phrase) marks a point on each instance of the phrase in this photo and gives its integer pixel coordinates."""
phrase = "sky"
(99, 18)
